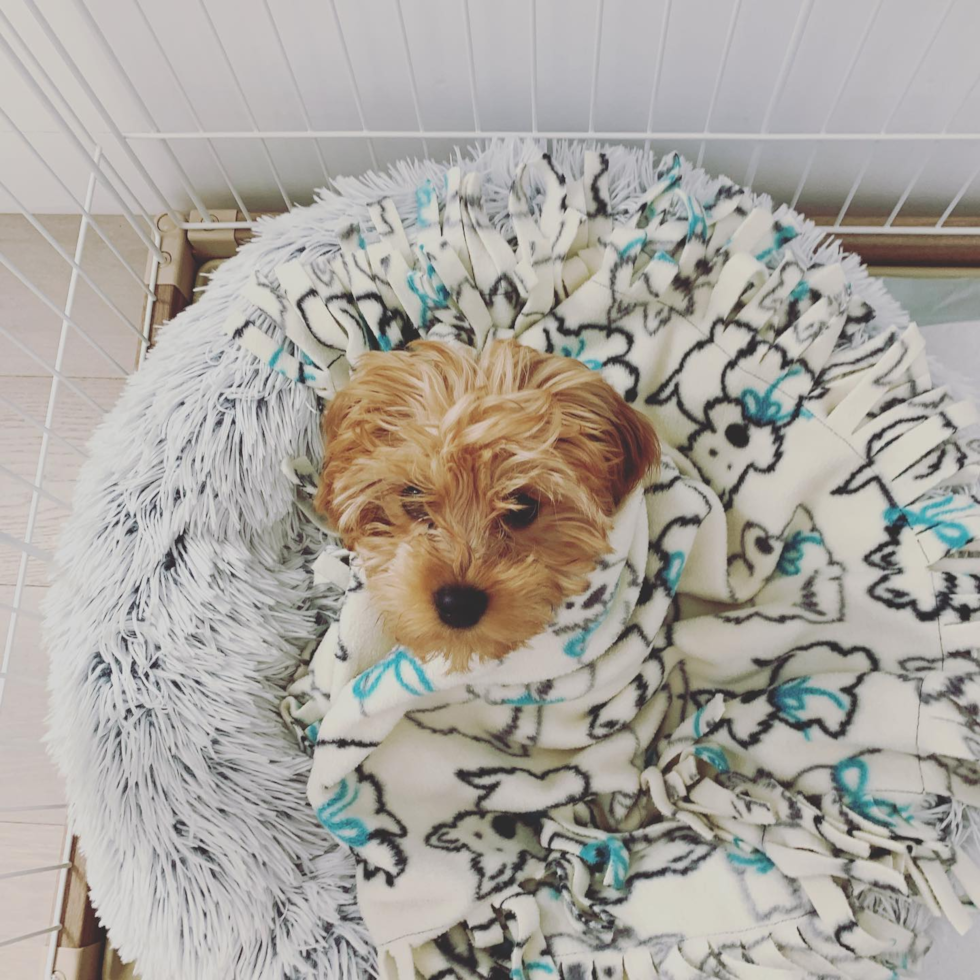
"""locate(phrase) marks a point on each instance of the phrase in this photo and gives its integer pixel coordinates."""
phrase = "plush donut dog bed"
(804, 774)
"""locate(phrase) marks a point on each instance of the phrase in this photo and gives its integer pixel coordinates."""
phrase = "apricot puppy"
(477, 489)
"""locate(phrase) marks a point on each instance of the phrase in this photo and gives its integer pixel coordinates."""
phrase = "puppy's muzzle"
(460, 606)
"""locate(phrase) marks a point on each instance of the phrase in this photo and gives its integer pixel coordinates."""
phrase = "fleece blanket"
(721, 758)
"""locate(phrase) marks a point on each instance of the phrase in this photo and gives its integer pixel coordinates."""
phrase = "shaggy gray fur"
(181, 607)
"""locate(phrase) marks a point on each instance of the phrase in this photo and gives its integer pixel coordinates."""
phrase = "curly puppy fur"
(496, 472)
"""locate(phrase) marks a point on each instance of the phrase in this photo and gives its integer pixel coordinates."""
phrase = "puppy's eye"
(414, 508)
(524, 513)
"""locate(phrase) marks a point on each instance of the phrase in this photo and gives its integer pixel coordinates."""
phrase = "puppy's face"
(477, 491)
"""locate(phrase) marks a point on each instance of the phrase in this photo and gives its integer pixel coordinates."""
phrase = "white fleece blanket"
(722, 750)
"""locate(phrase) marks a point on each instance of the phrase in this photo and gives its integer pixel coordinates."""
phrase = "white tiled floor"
(35, 838)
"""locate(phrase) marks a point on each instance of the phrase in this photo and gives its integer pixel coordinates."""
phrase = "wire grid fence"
(126, 161)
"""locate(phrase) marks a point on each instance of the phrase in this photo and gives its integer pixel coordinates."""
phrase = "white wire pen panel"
(250, 104)
(115, 111)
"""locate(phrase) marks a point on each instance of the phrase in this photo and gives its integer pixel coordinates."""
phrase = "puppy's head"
(477, 490)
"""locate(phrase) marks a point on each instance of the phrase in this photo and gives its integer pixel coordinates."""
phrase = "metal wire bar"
(6, 875)
(658, 69)
(900, 203)
(471, 63)
(897, 105)
(134, 94)
(47, 430)
(595, 62)
(33, 486)
(189, 105)
(789, 59)
(352, 80)
(841, 87)
(42, 455)
(24, 548)
(59, 902)
(722, 64)
(148, 308)
(854, 187)
(534, 67)
(838, 229)
(219, 225)
(910, 186)
(52, 305)
(30, 935)
(27, 614)
(287, 61)
(245, 103)
(86, 214)
(412, 86)
(618, 134)
(99, 106)
(41, 362)
(95, 168)
(31, 809)
(53, 242)
(957, 197)
(918, 65)
(39, 71)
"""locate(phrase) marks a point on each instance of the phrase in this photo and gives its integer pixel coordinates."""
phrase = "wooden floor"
(35, 838)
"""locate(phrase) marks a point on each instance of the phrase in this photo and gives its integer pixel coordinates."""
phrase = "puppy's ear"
(610, 443)
(627, 439)
(640, 446)
(352, 429)
(336, 456)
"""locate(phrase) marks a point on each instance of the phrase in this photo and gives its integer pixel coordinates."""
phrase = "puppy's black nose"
(460, 606)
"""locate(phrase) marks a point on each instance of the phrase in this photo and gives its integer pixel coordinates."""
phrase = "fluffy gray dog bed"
(182, 605)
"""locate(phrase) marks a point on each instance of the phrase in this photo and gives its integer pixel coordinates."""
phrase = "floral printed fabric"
(720, 750)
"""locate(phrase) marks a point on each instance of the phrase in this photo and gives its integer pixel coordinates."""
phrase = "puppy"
(477, 490)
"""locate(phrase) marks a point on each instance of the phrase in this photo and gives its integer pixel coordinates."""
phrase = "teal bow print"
(698, 715)
(713, 756)
(675, 567)
(935, 516)
(527, 700)
(424, 196)
(534, 966)
(765, 409)
(590, 363)
(634, 243)
(697, 221)
(349, 830)
(431, 292)
(575, 644)
(609, 853)
(784, 235)
(407, 672)
(791, 557)
(851, 781)
(790, 700)
(749, 858)
(801, 290)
